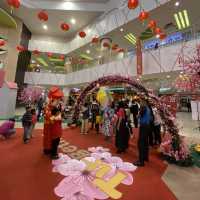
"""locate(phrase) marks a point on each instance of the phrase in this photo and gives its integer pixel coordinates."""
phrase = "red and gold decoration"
(143, 16)
(49, 54)
(82, 34)
(14, 3)
(162, 36)
(64, 26)
(62, 57)
(152, 24)
(20, 48)
(133, 4)
(95, 40)
(158, 31)
(2, 43)
(43, 16)
(36, 52)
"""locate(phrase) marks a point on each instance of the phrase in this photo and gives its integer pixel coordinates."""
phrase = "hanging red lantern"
(115, 47)
(43, 16)
(106, 45)
(49, 54)
(20, 48)
(95, 40)
(14, 3)
(82, 34)
(143, 16)
(158, 31)
(64, 27)
(132, 4)
(162, 36)
(152, 24)
(36, 52)
(2, 43)
(62, 57)
(121, 50)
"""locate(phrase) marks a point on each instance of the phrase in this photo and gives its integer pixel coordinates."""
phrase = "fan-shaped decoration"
(43, 16)
(143, 16)
(64, 27)
(132, 4)
(82, 34)
(14, 3)
(2, 43)
(95, 40)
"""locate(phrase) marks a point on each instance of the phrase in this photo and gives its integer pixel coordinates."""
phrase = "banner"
(139, 57)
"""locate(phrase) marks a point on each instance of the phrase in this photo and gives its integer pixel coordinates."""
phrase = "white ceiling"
(56, 17)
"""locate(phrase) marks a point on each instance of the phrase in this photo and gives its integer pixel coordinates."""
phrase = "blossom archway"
(174, 148)
(166, 116)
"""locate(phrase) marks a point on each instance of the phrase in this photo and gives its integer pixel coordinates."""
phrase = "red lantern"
(42, 15)
(143, 16)
(106, 45)
(64, 27)
(36, 52)
(152, 24)
(20, 48)
(162, 36)
(62, 57)
(121, 50)
(115, 47)
(95, 40)
(132, 4)
(49, 54)
(2, 43)
(82, 34)
(14, 3)
(158, 31)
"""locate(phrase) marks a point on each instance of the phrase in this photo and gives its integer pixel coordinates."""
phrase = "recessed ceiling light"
(45, 27)
(88, 51)
(89, 30)
(99, 56)
(73, 21)
(121, 29)
(181, 72)
(168, 76)
(157, 36)
(177, 3)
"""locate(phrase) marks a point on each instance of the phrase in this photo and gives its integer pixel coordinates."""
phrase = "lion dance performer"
(55, 95)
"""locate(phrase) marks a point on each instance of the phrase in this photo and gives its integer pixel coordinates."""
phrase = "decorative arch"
(165, 114)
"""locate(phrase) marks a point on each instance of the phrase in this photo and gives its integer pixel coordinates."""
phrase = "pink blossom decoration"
(98, 149)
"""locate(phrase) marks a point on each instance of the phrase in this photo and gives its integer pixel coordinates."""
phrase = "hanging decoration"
(43, 16)
(62, 57)
(82, 34)
(121, 50)
(133, 4)
(162, 36)
(49, 54)
(152, 24)
(64, 27)
(2, 43)
(158, 31)
(36, 52)
(115, 47)
(143, 16)
(95, 40)
(14, 3)
(20, 48)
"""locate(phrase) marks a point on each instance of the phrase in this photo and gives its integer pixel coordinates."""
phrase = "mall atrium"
(99, 99)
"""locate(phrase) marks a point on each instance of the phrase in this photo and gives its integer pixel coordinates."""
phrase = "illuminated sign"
(176, 37)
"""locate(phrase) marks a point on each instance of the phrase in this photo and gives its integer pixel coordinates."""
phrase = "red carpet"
(25, 174)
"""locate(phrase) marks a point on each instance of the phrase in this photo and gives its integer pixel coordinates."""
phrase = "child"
(7, 128)
(34, 120)
(56, 132)
(26, 123)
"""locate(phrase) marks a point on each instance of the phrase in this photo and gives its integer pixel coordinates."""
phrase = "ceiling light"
(73, 21)
(89, 30)
(88, 51)
(45, 27)
(99, 56)
(121, 29)
(168, 76)
(157, 36)
(177, 3)
(181, 72)
(182, 19)
(131, 38)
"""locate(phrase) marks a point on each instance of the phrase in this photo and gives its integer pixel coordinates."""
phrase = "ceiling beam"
(63, 5)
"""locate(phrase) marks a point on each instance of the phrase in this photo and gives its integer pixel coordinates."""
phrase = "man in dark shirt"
(26, 123)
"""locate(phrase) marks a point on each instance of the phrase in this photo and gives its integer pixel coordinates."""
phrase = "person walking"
(26, 123)
(144, 130)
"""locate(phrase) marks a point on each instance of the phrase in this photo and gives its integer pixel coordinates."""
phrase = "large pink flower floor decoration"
(78, 183)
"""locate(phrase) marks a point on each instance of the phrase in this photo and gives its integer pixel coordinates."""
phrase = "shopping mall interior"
(99, 99)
